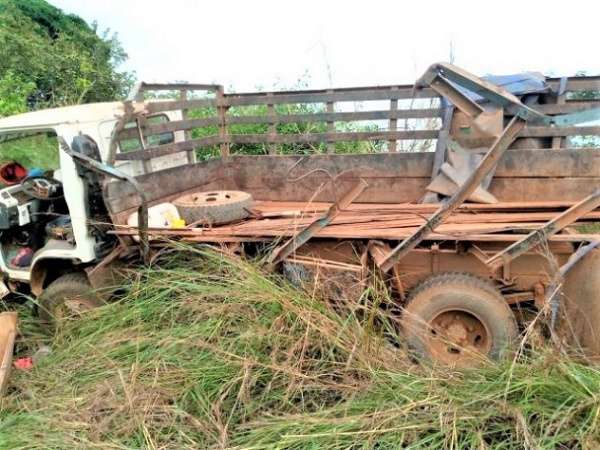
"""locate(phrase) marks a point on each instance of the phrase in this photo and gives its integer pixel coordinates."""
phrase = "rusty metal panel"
(528, 269)
(442, 73)
(380, 165)
(560, 175)
(558, 163)
(120, 196)
(405, 175)
(527, 189)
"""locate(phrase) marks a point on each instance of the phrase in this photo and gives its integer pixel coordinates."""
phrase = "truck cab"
(52, 216)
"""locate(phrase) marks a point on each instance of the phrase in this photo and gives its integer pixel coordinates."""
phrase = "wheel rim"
(211, 198)
(457, 337)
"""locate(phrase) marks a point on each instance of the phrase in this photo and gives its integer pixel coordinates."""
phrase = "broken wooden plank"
(314, 227)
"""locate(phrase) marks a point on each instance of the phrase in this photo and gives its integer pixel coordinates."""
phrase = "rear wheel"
(458, 319)
(67, 296)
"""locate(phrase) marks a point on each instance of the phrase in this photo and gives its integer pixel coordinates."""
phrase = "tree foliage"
(49, 58)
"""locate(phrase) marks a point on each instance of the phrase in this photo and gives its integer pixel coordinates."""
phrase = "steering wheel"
(42, 187)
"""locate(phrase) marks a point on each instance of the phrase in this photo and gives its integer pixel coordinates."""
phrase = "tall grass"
(207, 352)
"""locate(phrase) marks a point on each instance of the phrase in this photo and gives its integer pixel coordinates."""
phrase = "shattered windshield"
(32, 149)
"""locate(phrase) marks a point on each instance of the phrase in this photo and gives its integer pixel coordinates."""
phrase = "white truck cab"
(49, 222)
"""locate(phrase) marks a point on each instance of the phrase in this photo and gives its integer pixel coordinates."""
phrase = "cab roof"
(48, 118)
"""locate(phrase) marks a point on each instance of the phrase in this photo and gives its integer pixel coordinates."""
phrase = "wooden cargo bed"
(271, 220)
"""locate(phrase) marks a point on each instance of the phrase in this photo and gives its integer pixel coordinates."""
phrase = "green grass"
(589, 228)
(210, 353)
(34, 151)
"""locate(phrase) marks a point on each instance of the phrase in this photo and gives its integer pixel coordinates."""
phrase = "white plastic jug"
(163, 215)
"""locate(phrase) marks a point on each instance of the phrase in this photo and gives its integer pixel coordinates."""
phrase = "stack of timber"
(497, 222)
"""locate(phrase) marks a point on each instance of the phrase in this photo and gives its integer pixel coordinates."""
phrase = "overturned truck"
(464, 195)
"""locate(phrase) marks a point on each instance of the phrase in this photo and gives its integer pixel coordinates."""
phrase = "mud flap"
(8, 331)
(579, 324)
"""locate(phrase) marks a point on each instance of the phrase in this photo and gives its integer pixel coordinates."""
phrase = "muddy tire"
(214, 207)
(67, 296)
(458, 319)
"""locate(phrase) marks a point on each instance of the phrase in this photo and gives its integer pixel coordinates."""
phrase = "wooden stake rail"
(382, 221)
(278, 207)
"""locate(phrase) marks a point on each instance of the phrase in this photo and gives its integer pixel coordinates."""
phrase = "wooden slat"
(337, 116)
(578, 84)
(333, 137)
(169, 149)
(167, 127)
(559, 131)
(316, 207)
(338, 95)
(569, 107)
(271, 129)
(393, 124)
(343, 117)
(330, 127)
(153, 107)
(144, 87)
(356, 116)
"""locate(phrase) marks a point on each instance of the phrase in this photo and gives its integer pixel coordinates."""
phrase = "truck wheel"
(458, 319)
(215, 207)
(67, 296)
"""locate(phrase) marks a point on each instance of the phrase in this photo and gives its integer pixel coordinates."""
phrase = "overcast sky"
(248, 43)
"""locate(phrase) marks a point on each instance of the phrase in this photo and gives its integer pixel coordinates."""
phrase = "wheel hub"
(457, 337)
(457, 332)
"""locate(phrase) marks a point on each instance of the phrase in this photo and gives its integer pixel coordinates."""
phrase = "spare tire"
(213, 207)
